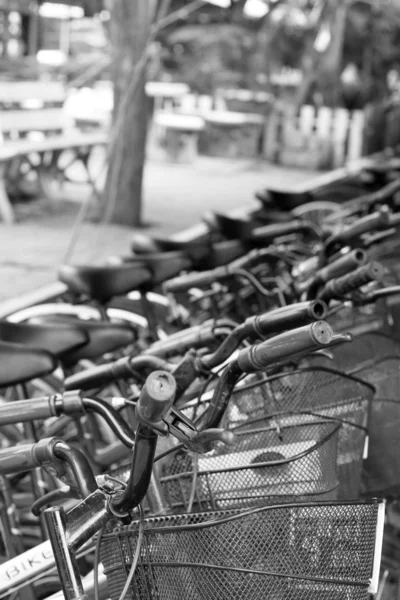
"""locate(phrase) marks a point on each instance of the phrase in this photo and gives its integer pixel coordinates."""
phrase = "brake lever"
(324, 353)
(175, 423)
(197, 441)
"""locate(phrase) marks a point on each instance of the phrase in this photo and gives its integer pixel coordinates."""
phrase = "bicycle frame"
(33, 563)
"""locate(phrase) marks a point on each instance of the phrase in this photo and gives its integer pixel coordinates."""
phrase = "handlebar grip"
(98, 376)
(156, 397)
(26, 457)
(17, 459)
(268, 233)
(189, 338)
(342, 265)
(287, 317)
(337, 288)
(201, 279)
(285, 346)
(27, 410)
(379, 219)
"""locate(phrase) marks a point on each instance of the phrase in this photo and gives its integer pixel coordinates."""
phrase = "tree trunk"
(326, 67)
(260, 61)
(129, 30)
(310, 61)
(332, 62)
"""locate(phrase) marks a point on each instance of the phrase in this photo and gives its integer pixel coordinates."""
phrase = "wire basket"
(361, 319)
(291, 552)
(375, 358)
(388, 254)
(329, 393)
(381, 469)
(363, 352)
(292, 462)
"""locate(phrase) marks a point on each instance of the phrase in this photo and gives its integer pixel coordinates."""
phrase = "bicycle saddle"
(102, 336)
(225, 252)
(104, 282)
(162, 265)
(231, 228)
(283, 200)
(19, 364)
(392, 164)
(196, 250)
(166, 265)
(56, 339)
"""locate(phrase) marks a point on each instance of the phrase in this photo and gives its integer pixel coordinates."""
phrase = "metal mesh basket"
(381, 469)
(293, 462)
(361, 319)
(388, 254)
(318, 389)
(291, 552)
(364, 351)
(375, 358)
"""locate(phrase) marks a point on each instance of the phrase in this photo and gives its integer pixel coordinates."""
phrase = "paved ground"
(175, 197)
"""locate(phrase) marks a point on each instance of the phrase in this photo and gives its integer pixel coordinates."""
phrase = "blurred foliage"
(372, 42)
(216, 47)
(210, 57)
(213, 47)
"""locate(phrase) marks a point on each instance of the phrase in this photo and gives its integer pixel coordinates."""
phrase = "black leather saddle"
(104, 282)
(19, 364)
(222, 243)
(196, 250)
(230, 228)
(283, 200)
(103, 337)
(336, 191)
(220, 253)
(392, 164)
(58, 339)
(162, 265)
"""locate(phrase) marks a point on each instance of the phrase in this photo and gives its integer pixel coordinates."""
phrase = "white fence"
(316, 137)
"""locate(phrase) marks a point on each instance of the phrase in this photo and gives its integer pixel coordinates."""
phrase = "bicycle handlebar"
(286, 346)
(156, 397)
(378, 220)
(28, 410)
(47, 451)
(155, 400)
(287, 317)
(273, 352)
(386, 292)
(268, 233)
(69, 403)
(340, 287)
(193, 337)
(276, 321)
(342, 265)
(200, 279)
(378, 197)
(123, 368)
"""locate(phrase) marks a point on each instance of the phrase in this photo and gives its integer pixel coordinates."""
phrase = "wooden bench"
(231, 134)
(35, 133)
(175, 136)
